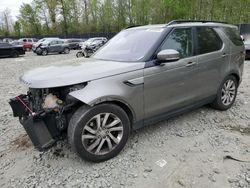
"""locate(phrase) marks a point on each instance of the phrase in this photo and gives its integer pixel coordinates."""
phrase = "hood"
(79, 71)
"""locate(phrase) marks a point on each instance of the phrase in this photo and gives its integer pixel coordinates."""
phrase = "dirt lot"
(191, 150)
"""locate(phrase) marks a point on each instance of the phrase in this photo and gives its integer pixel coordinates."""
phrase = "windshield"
(90, 40)
(41, 40)
(129, 45)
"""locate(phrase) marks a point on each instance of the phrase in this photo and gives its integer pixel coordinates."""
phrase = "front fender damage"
(44, 126)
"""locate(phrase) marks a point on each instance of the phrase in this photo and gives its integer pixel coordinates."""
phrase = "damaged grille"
(49, 98)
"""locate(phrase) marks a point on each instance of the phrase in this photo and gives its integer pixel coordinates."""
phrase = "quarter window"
(208, 40)
(180, 40)
(234, 35)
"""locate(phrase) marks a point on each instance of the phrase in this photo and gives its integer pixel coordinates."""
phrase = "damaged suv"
(143, 75)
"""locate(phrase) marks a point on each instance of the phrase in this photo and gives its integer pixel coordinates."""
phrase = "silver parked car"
(141, 76)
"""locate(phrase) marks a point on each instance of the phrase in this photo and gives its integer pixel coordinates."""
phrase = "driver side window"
(181, 40)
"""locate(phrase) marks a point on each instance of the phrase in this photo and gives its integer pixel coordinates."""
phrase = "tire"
(79, 54)
(14, 54)
(44, 52)
(98, 145)
(225, 97)
(66, 50)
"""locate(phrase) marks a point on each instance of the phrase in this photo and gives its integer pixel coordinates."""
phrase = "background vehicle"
(74, 43)
(10, 50)
(8, 40)
(39, 42)
(141, 76)
(27, 43)
(91, 46)
(247, 47)
(52, 46)
(91, 40)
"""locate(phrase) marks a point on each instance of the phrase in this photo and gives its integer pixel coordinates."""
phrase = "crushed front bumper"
(41, 126)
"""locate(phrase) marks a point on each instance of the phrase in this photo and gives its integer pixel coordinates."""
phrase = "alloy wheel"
(228, 92)
(102, 133)
(44, 52)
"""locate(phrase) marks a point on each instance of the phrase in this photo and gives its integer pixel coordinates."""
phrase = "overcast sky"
(13, 5)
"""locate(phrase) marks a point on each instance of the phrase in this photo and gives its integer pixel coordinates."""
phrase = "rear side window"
(234, 35)
(208, 40)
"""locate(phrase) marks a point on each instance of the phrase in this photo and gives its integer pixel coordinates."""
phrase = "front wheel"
(66, 50)
(227, 93)
(44, 52)
(79, 54)
(14, 54)
(98, 133)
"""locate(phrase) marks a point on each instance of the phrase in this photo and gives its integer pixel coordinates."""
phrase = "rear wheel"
(227, 93)
(98, 133)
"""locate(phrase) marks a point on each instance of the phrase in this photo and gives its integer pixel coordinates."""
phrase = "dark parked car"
(74, 43)
(52, 46)
(10, 50)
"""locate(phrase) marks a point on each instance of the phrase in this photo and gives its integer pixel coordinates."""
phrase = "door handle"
(224, 55)
(190, 64)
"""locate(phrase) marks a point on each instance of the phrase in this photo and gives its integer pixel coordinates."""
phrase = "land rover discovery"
(142, 75)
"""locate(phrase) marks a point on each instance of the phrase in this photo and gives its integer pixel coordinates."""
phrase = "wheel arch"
(119, 102)
(236, 75)
(113, 100)
(125, 107)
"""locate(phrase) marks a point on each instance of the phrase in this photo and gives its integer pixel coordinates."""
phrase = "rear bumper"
(40, 127)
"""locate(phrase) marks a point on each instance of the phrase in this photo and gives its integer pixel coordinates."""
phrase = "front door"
(53, 46)
(172, 85)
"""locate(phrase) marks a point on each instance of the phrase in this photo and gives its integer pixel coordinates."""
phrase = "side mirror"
(168, 55)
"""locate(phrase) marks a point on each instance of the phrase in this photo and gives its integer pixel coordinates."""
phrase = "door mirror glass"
(168, 55)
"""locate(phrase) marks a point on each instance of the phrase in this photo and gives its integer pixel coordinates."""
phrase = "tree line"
(64, 17)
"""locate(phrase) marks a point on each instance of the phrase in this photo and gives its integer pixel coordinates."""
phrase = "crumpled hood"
(69, 73)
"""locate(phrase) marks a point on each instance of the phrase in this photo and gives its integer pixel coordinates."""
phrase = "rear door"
(60, 46)
(213, 55)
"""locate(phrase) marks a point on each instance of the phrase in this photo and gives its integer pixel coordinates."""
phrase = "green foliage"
(17, 28)
(57, 17)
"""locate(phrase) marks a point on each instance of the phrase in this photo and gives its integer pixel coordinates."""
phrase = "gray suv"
(141, 76)
(51, 45)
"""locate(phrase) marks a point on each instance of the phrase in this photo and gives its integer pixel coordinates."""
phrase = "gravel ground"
(186, 151)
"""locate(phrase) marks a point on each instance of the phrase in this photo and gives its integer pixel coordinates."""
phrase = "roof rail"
(131, 26)
(189, 21)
